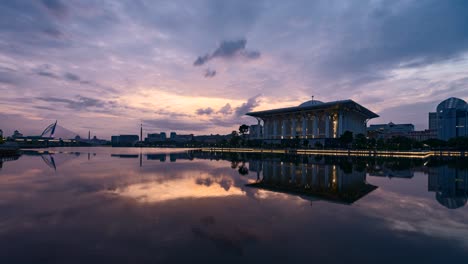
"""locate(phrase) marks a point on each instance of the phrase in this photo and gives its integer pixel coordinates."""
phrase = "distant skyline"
(199, 66)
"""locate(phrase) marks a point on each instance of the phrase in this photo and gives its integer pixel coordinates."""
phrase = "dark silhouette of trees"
(243, 170)
(458, 143)
(235, 139)
(346, 139)
(360, 141)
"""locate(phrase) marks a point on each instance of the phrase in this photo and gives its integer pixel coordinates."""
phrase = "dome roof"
(310, 103)
(451, 202)
(451, 103)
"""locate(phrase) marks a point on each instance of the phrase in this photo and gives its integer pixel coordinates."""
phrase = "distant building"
(180, 138)
(392, 128)
(156, 137)
(211, 139)
(124, 140)
(184, 138)
(389, 130)
(450, 119)
(313, 120)
(433, 121)
(17, 134)
(422, 135)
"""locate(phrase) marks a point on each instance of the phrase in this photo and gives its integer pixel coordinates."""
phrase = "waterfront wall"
(327, 152)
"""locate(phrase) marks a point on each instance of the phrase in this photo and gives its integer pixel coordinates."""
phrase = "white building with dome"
(313, 120)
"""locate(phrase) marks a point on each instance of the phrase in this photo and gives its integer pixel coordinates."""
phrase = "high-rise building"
(432, 121)
(450, 119)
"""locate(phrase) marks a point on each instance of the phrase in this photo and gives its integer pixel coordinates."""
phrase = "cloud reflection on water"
(191, 209)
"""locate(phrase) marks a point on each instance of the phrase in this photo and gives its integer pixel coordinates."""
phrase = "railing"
(340, 152)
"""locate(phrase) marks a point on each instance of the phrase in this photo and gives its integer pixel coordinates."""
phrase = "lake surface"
(130, 205)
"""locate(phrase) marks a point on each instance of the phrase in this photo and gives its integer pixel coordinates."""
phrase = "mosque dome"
(310, 103)
(451, 103)
(451, 202)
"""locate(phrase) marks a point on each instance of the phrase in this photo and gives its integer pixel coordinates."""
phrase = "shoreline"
(324, 152)
(341, 152)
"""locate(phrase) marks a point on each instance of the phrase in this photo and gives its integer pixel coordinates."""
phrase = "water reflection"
(450, 186)
(136, 206)
(7, 158)
(334, 179)
(312, 179)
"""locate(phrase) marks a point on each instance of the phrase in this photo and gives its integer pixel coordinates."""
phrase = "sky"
(198, 66)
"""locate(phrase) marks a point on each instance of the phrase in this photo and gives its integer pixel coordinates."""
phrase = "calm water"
(111, 205)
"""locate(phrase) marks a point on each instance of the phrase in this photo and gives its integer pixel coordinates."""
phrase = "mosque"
(312, 120)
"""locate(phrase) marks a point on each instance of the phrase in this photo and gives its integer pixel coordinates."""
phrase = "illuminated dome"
(451, 103)
(310, 103)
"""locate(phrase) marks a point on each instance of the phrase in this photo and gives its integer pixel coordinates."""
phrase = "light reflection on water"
(162, 205)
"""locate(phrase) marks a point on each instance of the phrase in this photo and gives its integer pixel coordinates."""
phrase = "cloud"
(201, 60)
(225, 110)
(7, 77)
(71, 77)
(53, 32)
(247, 106)
(46, 71)
(227, 50)
(210, 73)
(81, 103)
(48, 74)
(204, 111)
(369, 51)
(382, 36)
(176, 125)
(55, 7)
(416, 113)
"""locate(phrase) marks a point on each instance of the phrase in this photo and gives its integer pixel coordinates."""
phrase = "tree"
(380, 144)
(435, 143)
(458, 142)
(318, 145)
(346, 138)
(360, 141)
(243, 170)
(235, 139)
(243, 129)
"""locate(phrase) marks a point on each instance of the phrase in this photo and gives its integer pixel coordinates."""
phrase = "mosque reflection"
(311, 180)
